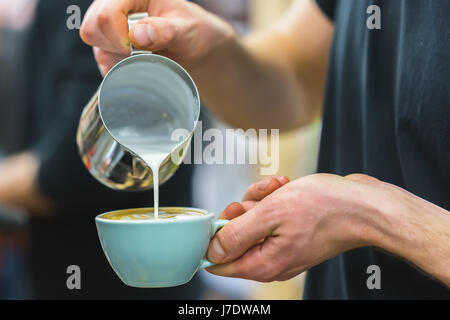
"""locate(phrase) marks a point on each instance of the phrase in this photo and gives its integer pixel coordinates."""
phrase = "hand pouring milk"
(131, 119)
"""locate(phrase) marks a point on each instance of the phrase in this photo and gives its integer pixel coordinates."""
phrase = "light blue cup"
(157, 253)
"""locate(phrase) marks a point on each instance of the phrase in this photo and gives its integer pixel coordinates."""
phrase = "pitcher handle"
(132, 19)
(217, 225)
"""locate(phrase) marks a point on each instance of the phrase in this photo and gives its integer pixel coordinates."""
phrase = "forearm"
(251, 91)
(413, 229)
(18, 186)
(271, 79)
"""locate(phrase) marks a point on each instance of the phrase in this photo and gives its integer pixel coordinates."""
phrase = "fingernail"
(216, 252)
(144, 35)
(262, 185)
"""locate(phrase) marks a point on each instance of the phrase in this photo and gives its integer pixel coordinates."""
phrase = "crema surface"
(149, 215)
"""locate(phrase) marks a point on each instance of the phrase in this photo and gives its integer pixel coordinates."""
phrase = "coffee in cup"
(150, 252)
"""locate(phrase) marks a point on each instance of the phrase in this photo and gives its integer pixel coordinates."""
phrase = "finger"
(248, 205)
(106, 60)
(240, 234)
(90, 32)
(258, 263)
(232, 211)
(105, 24)
(156, 33)
(236, 209)
(263, 188)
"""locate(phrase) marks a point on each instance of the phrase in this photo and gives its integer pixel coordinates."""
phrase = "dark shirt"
(62, 77)
(386, 114)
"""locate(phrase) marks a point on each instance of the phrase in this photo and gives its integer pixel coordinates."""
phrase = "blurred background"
(42, 93)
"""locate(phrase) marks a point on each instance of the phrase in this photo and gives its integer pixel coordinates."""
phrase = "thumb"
(155, 33)
(240, 234)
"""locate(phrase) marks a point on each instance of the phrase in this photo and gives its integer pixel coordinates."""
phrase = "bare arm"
(271, 79)
(18, 185)
(416, 230)
(274, 79)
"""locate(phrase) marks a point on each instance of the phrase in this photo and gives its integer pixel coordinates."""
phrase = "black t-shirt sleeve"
(328, 7)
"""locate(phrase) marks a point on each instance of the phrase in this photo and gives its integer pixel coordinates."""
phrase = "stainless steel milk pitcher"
(135, 82)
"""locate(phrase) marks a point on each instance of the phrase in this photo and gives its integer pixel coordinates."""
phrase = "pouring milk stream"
(151, 142)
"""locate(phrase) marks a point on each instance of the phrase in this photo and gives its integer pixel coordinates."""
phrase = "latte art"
(142, 214)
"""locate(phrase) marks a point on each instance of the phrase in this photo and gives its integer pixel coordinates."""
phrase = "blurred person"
(385, 115)
(15, 18)
(49, 181)
(14, 275)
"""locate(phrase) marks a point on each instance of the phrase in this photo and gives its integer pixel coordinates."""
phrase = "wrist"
(408, 227)
(380, 218)
(363, 215)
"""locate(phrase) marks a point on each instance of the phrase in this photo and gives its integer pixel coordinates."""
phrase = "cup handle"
(132, 19)
(217, 225)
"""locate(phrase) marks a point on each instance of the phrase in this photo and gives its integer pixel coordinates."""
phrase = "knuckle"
(229, 238)
(169, 34)
(103, 18)
(87, 32)
(253, 190)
